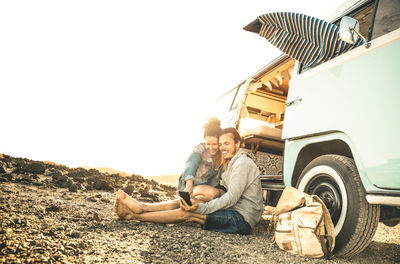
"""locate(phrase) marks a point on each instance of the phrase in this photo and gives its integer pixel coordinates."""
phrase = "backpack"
(303, 224)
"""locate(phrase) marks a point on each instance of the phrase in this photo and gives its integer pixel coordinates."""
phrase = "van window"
(364, 17)
(228, 101)
(387, 17)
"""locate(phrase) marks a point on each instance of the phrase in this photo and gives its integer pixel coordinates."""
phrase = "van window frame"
(234, 98)
(233, 106)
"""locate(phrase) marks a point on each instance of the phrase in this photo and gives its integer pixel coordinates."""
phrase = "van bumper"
(383, 200)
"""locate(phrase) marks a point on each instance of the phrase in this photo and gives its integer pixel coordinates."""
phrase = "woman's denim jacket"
(199, 167)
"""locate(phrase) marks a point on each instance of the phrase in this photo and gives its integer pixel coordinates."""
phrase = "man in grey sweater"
(236, 211)
(241, 206)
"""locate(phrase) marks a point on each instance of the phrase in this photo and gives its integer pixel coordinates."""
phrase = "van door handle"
(295, 100)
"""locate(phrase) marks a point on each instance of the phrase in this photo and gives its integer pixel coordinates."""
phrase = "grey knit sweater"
(244, 195)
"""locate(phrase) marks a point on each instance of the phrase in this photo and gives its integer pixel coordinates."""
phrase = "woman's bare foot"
(206, 193)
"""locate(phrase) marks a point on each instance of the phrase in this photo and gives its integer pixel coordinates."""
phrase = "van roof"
(279, 60)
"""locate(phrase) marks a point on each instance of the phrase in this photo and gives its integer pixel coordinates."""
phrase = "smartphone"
(186, 197)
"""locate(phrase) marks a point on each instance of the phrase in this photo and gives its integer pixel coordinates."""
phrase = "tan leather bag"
(303, 225)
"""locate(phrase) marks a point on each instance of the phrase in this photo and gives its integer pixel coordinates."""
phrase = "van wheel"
(336, 181)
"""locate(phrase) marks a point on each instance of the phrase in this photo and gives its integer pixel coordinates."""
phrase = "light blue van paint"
(359, 96)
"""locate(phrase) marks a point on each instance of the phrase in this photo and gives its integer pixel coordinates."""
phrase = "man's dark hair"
(212, 128)
(234, 132)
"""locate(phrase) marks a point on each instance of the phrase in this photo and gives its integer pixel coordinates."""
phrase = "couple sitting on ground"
(234, 206)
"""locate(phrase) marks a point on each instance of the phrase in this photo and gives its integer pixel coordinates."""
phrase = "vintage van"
(333, 129)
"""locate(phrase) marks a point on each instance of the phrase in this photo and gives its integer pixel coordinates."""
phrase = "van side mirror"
(349, 31)
(346, 30)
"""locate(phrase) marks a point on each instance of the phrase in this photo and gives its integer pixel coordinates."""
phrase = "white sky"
(124, 84)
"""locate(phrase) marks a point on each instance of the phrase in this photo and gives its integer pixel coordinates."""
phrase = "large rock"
(101, 184)
(33, 167)
(79, 174)
(5, 177)
(2, 169)
(60, 180)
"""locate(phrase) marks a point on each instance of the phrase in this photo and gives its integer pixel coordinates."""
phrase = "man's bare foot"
(121, 210)
(116, 204)
(129, 202)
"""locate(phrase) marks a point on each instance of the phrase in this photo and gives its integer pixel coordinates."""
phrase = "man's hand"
(189, 186)
(186, 207)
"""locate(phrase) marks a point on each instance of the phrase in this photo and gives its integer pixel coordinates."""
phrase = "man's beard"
(234, 153)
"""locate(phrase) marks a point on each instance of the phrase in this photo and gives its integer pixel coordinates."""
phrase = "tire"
(335, 180)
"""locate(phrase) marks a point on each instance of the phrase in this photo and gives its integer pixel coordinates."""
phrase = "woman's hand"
(189, 186)
(186, 207)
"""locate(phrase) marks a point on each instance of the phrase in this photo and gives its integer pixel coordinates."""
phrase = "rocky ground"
(53, 214)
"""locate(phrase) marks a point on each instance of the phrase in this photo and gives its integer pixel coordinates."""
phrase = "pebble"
(53, 208)
(96, 217)
(75, 234)
(92, 199)
(73, 187)
(105, 200)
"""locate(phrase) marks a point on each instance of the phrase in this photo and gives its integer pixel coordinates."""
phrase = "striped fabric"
(306, 39)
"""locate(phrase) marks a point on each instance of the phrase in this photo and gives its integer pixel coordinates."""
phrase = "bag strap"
(328, 225)
(326, 242)
(272, 223)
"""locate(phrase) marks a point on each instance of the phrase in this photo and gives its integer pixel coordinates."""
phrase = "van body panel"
(335, 96)
(293, 148)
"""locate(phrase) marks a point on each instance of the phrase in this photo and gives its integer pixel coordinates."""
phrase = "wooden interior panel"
(266, 102)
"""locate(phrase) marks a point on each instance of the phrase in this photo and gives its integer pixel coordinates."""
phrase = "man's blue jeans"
(227, 221)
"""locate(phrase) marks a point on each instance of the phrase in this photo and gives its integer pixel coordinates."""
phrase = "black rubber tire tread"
(368, 214)
(368, 218)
